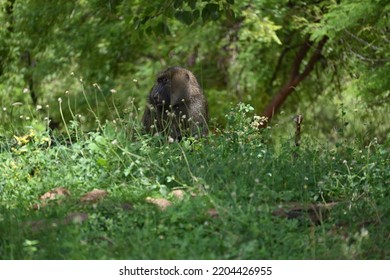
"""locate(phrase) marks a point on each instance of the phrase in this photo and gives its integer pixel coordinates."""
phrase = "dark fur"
(176, 105)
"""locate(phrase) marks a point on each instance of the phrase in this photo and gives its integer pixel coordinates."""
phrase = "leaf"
(178, 4)
(196, 14)
(150, 10)
(163, 190)
(149, 31)
(162, 28)
(210, 12)
(276, 38)
(93, 147)
(192, 3)
(101, 140)
(102, 162)
(184, 16)
(136, 22)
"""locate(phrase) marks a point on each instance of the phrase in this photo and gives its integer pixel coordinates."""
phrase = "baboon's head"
(172, 87)
(176, 105)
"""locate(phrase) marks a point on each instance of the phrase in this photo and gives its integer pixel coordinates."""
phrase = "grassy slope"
(237, 173)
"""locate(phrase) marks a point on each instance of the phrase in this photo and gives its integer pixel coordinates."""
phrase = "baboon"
(176, 106)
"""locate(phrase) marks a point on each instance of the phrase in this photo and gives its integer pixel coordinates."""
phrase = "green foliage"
(86, 67)
(237, 173)
(240, 51)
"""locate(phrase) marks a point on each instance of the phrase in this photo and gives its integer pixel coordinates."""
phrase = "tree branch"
(279, 63)
(277, 68)
(313, 59)
(295, 77)
(299, 58)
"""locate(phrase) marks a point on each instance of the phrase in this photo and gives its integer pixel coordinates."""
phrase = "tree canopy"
(326, 59)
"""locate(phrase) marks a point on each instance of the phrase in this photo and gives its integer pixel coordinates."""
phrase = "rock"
(56, 194)
(93, 196)
(161, 203)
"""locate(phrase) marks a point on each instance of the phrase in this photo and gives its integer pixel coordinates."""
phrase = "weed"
(232, 183)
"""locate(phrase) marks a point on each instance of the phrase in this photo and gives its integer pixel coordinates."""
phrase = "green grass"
(239, 172)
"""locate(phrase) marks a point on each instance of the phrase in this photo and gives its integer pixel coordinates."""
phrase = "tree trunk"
(296, 76)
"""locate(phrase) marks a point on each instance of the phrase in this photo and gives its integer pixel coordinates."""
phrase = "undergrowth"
(233, 181)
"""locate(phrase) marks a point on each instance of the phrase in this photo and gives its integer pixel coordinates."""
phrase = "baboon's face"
(161, 92)
(170, 88)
